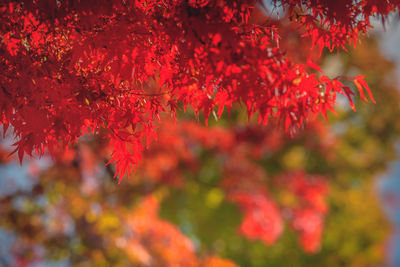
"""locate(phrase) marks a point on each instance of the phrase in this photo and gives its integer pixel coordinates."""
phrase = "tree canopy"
(94, 85)
(73, 67)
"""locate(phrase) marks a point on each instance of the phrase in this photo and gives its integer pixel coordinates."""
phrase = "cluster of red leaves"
(297, 198)
(263, 216)
(70, 67)
(307, 215)
(334, 24)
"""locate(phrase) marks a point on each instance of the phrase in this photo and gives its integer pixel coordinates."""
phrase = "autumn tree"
(71, 67)
(124, 71)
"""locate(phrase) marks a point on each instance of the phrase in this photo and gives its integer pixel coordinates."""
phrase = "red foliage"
(307, 216)
(262, 219)
(73, 67)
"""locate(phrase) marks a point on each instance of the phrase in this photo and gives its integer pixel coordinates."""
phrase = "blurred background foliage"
(174, 211)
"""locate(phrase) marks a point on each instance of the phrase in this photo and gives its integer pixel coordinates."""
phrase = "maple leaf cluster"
(72, 67)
